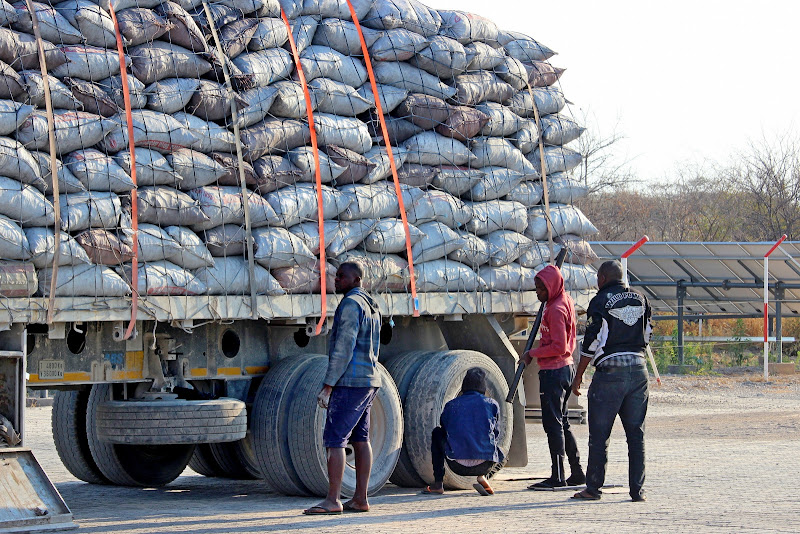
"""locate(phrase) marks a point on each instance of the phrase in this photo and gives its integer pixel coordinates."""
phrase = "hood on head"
(553, 280)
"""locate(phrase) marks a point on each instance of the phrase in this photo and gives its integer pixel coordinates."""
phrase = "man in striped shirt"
(615, 341)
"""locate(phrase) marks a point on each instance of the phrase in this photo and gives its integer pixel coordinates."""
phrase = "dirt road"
(722, 456)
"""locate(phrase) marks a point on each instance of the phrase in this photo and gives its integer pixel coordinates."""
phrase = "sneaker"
(639, 498)
(547, 484)
(576, 479)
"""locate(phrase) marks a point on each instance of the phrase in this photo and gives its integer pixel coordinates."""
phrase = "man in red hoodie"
(554, 355)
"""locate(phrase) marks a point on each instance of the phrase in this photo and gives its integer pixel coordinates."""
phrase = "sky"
(682, 81)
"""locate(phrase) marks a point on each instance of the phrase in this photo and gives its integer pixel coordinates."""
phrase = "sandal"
(584, 495)
(319, 510)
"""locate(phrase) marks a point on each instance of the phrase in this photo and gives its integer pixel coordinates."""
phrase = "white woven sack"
(446, 275)
(496, 215)
(439, 241)
(83, 281)
(42, 243)
(231, 276)
(192, 252)
(389, 237)
(277, 247)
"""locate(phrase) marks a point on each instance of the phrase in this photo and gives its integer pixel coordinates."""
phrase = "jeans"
(438, 458)
(623, 391)
(555, 386)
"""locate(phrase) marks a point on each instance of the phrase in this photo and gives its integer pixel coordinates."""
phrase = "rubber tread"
(403, 368)
(171, 422)
(157, 416)
(203, 462)
(158, 439)
(306, 421)
(139, 406)
(68, 421)
(237, 459)
(270, 424)
(437, 381)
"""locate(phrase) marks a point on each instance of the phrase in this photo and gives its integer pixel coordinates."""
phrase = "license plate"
(51, 370)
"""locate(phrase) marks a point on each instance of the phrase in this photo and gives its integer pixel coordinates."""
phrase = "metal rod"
(779, 326)
(724, 284)
(681, 293)
(695, 317)
(766, 304)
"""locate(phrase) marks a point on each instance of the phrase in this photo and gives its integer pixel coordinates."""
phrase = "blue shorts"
(348, 416)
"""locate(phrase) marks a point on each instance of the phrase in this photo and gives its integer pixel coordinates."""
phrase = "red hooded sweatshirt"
(558, 323)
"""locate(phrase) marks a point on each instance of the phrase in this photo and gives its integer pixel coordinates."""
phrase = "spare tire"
(307, 421)
(132, 465)
(436, 382)
(171, 422)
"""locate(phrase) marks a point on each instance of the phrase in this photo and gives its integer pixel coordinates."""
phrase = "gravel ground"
(722, 456)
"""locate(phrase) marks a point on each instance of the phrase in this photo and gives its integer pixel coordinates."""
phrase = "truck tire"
(437, 381)
(403, 369)
(270, 423)
(132, 465)
(307, 421)
(237, 459)
(171, 422)
(203, 462)
(69, 434)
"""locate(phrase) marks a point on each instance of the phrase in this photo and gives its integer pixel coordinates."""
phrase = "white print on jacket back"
(629, 314)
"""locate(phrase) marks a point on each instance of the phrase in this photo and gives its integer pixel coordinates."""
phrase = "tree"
(768, 176)
(602, 167)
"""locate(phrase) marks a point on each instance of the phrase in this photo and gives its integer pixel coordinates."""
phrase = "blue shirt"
(354, 342)
(470, 422)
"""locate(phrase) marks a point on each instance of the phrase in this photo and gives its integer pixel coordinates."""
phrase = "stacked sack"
(459, 96)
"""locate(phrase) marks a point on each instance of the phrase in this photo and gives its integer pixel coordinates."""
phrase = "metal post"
(766, 304)
(681, 295)
(779, 296)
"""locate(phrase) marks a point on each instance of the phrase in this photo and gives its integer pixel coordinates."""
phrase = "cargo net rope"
(216, 192)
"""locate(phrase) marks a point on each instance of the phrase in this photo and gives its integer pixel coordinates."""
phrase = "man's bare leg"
(336, 459)
(363, 454)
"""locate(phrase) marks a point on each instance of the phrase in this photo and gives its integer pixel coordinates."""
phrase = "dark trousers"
(555, 386)
(438, 458)
(623, 391)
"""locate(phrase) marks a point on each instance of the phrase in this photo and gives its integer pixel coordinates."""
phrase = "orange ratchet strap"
(323, 266)
(134, 202)
(385, 132)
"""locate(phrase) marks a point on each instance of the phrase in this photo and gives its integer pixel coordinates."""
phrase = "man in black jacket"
(615, 342)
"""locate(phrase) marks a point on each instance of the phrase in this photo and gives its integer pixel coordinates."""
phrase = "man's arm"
(576, 382)
(557, 322)
(588, 346)
(345, 343)
(595, 316)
